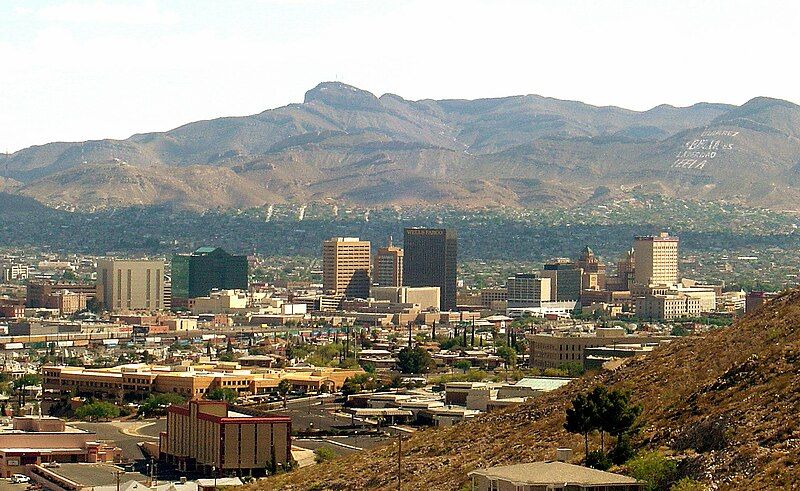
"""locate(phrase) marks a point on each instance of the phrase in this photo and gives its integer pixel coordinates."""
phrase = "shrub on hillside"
(654, 469)
(322, 454)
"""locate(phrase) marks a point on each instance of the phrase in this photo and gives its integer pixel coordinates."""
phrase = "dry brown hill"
(724, 404)
(117, 184)
(348, 145)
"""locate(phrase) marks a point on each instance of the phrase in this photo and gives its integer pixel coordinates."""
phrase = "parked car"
(20, 479)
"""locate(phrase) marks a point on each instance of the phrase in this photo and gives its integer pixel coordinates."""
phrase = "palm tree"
(20, 384)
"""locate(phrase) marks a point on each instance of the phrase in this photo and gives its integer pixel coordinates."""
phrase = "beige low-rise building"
(427, 297)
(32, 440)
(190, 381)
(219, 302)
(544, 476)
(669, 307)
(554, 350)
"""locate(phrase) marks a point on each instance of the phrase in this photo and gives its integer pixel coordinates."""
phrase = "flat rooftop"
(544, 473)
(543, 384)
(94, 474)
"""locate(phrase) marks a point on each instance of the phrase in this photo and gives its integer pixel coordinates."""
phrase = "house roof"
(545, 473)
(221, 481)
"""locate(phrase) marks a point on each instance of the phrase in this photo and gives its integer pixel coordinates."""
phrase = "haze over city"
(78, 70)
(368, 245)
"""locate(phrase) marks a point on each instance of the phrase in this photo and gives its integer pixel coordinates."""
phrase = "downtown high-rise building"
(430, 258)
(527, 290)
(206, 269)
(130, 284)
(345, 267)
(388, 267)
(656, 260)
(566, 280)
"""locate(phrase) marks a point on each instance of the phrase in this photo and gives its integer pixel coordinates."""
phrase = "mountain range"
(346, 145)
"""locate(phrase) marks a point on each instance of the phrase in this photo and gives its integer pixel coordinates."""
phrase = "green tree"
(451, 344)
(414, 360)
(349, 362)
(600, 402)
(509, 356)
(350, 387)
(157, 404)
(96, 411)
(679, 330)
(22, 383)
(284, 387)
(572, 368)
(554, 372)
(581, 418)
(464, 365)
(221, 394)
(607, 411)
(618, 417)
(93, 305)
(597, 459)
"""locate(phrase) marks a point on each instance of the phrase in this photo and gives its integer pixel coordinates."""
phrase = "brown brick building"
(207, 437)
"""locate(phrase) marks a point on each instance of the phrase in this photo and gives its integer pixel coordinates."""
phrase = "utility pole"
(119, 474)
(399, 460)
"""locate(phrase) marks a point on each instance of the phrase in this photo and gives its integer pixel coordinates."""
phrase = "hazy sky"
(76, 70)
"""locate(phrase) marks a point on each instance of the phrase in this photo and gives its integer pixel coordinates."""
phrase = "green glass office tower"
(207, 268)
(179, 273)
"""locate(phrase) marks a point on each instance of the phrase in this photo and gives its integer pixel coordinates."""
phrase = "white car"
(20, 479)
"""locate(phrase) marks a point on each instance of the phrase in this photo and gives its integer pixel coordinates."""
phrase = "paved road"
(127, 441)
(152, 428)
(358, 441)
(314, 415)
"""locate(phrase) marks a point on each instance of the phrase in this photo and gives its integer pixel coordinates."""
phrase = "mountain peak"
(762, 102)
(343, 96)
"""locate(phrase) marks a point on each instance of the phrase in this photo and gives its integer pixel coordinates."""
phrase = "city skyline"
(203, 283)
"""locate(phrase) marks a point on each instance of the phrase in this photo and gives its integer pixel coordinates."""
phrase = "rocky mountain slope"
(346, 144)
(724, 405)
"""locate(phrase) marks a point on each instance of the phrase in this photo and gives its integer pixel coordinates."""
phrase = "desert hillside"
(725, 405)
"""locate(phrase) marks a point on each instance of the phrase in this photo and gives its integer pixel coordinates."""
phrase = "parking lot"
(312, 414)
(6, 485)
